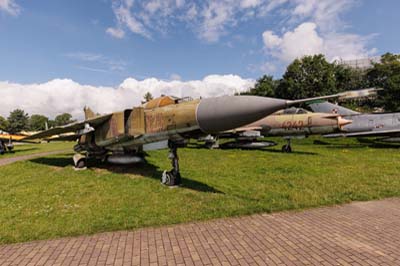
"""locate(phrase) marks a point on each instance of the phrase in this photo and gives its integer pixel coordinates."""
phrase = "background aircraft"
(385, 125)
(121, 137)
(289, 123)
(6, 142)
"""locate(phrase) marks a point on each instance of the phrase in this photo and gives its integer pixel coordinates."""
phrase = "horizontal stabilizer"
(94, 122)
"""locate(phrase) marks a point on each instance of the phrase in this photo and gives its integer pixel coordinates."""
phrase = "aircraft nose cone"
(229, 112)
(342, 122)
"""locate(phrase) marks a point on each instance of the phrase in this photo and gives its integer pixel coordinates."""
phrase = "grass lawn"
(25, 149)
(45, 198)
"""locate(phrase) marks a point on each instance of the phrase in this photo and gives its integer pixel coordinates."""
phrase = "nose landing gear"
(79, 161)
(172, 177)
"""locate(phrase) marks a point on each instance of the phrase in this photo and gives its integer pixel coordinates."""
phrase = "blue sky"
(47, 39)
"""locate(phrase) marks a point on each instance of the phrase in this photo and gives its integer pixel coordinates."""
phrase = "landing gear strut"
(173, 177)
(287, 148)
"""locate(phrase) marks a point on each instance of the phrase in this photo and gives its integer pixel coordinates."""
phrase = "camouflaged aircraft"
(289, 123)
(384, 125)
(121, 137)
(6, 142)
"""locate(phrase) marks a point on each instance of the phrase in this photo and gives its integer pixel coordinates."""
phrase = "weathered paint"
(171, 117)
(113, 128)
(296, 124)
(135, 124)
(159, 102)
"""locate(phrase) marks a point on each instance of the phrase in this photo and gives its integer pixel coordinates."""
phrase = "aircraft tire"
(81, 164)
(286, 148)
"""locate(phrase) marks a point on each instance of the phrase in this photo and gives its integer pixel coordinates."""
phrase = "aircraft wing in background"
(365, 133)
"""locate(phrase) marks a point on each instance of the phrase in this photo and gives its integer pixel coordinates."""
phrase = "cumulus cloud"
(306, 40)
(316, 27)
(10, 7)
(303, 40)
(106, 63)
(64, 95)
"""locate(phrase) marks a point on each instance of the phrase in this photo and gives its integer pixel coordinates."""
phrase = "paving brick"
(361, 233)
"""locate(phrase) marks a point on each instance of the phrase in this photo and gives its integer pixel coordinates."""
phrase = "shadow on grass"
(265, 149)
(364, 144)
(143, 169)
(197, 146)
(16, 150)
(293, 152)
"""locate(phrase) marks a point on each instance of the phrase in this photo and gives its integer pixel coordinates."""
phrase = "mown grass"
(25, 149)
(45, 198)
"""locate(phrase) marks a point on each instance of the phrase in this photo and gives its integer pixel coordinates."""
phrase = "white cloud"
(208, 19)
(85, 56)
(97, 60)
(305, 40)
(122, 11)
(64, 95)
(116, 32)
(215, 18)
(10, 7)
(326, 14)
(250, 3)
(317, 28)
(175, 77)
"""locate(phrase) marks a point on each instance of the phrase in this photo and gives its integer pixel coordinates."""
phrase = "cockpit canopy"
(292, 111)
(164, 101)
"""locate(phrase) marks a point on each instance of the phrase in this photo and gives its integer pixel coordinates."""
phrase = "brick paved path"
(362, 233)
(5, 161)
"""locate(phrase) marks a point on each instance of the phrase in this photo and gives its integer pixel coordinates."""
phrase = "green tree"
(63, 119)
(38, 122)
(265, 86)
(17, 121)
(3, 124)
(309, 76)
(51, 123)
(148, 96)
(386, 74)
(348, 78)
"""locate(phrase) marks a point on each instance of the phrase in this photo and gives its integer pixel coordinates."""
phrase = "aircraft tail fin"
(327, 107)
(88, 113)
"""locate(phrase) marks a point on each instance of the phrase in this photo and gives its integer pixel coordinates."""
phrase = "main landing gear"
(287, 147)
(80, 161)
(173, 177)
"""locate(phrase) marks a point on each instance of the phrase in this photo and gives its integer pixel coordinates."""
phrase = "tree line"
(313, 76)
(19, 121)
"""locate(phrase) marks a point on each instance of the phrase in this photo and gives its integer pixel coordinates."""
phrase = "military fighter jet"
(385, 125)
(166, 121)
(6, 142)
(289, 123)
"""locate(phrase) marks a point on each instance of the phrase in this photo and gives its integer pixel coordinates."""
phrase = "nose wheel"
(79, 161)
(287, 148)
(172, 177)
